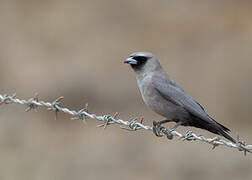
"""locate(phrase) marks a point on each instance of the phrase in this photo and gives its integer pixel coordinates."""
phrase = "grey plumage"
(167, 98)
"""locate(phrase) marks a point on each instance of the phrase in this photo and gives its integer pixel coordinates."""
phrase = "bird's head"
(143, 62)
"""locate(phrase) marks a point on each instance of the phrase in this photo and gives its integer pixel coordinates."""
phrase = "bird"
(165, 97)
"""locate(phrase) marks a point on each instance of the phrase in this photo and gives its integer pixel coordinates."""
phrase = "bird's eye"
(140, 59)
(139, 62)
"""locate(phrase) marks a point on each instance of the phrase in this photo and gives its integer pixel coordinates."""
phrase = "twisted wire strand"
(132, 125)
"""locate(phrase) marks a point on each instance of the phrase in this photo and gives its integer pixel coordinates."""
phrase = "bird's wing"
(173, 93)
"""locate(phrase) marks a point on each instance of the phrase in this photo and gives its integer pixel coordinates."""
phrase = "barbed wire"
(132, 125)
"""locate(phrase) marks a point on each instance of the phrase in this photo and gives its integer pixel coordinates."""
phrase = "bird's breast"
(156, 102)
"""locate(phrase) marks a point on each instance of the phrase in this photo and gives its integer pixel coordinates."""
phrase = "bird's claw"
(157, 128)
(169, 134)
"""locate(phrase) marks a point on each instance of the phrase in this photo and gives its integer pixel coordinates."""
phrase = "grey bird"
(168, 99)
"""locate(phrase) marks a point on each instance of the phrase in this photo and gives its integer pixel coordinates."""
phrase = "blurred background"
(76, 49)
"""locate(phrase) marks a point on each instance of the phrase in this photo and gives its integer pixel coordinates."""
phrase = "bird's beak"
(130, 60)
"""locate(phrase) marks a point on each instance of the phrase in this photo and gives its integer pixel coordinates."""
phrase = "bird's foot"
(157, 128)
(168, 133)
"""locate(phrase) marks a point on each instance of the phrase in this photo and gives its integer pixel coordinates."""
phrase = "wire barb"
(242, 146)
(81, 114)
(107, 120)
(6, 99)
(188, 135)
(213, 142)
(56, 106)
(132, 125)
(31, 105)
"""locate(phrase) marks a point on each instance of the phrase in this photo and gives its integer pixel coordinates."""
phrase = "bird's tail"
(214, 127)
(223, 133)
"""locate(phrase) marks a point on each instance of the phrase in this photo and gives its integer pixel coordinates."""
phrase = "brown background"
(76, 49)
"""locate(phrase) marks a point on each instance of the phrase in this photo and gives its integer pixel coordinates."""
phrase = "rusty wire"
(132, 125)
